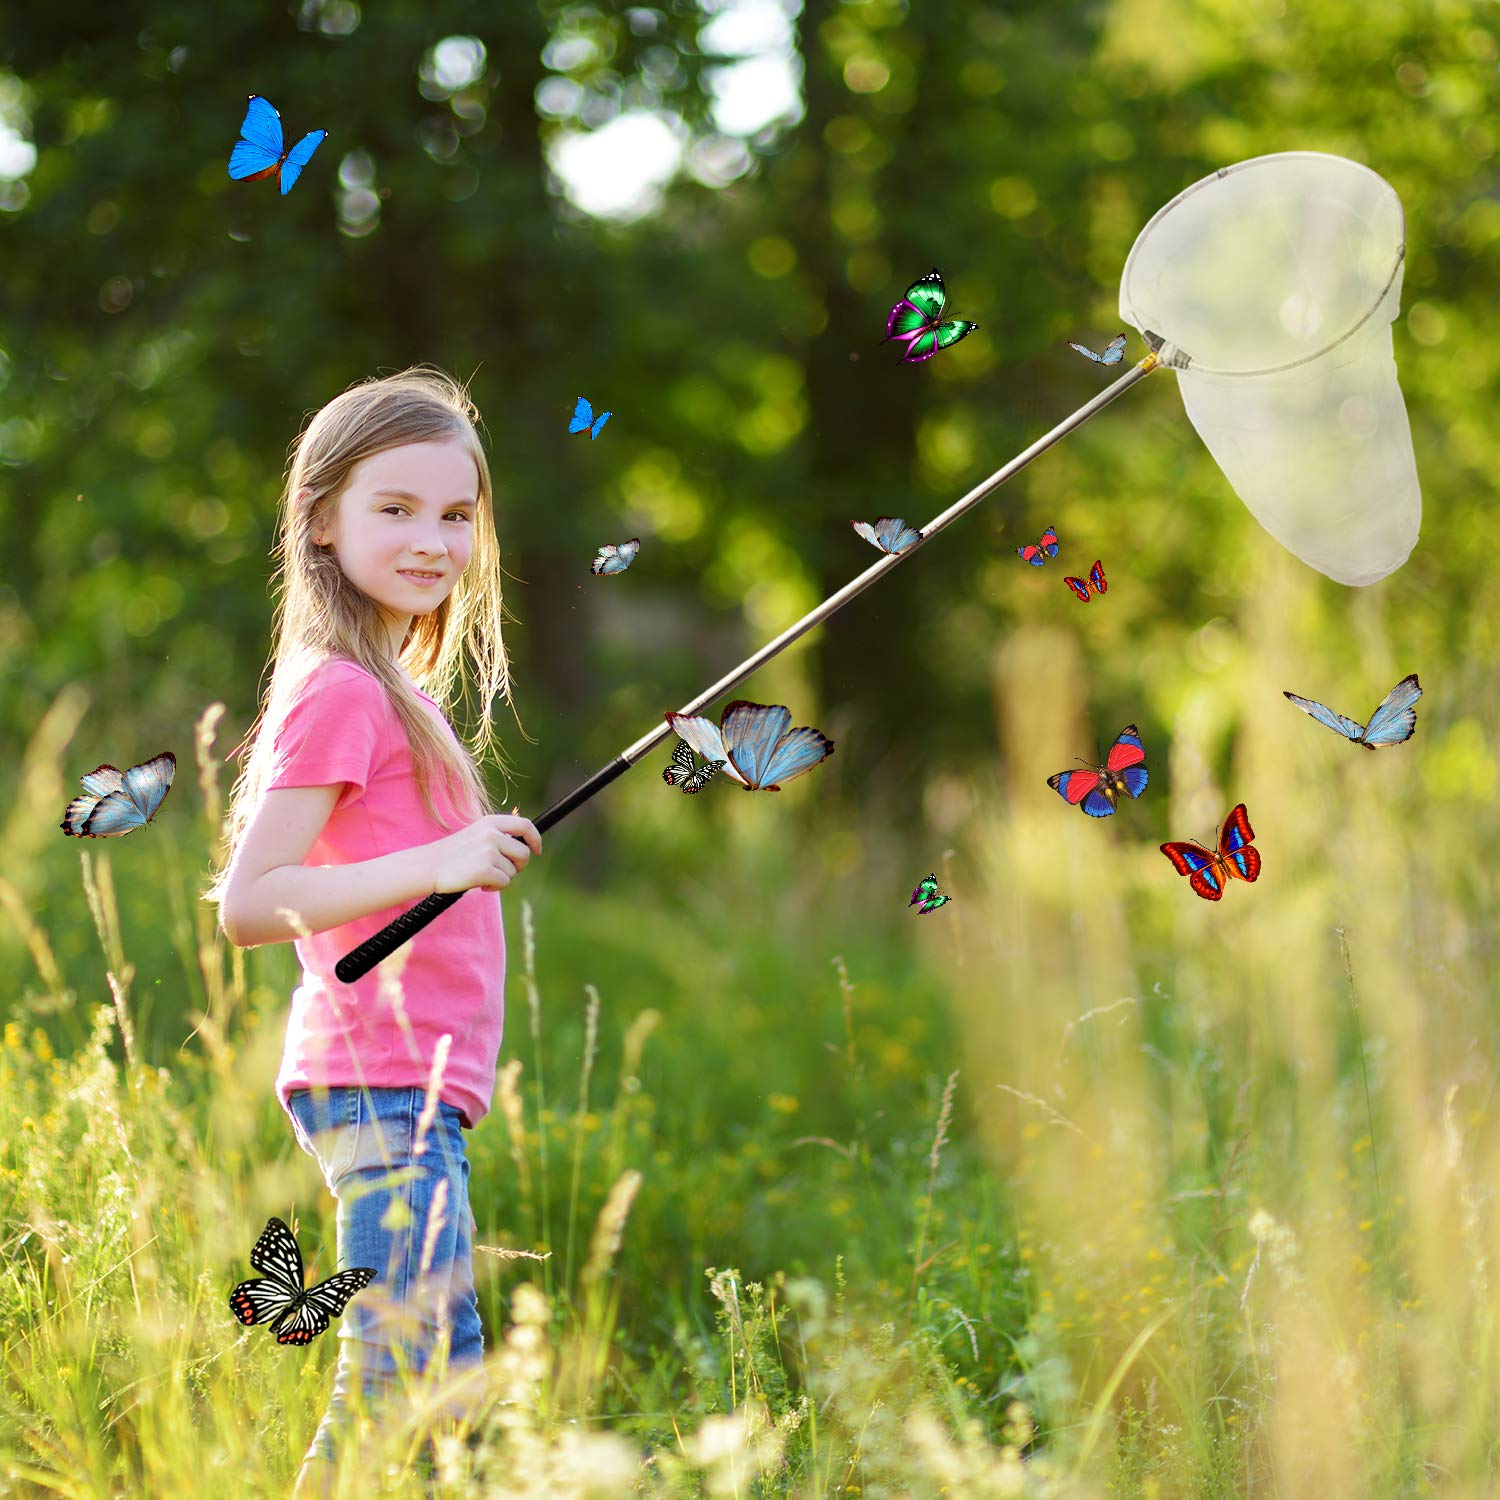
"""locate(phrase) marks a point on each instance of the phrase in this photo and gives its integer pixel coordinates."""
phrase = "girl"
(391, 569)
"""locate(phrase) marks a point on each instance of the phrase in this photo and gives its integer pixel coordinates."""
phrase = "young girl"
(391, 569)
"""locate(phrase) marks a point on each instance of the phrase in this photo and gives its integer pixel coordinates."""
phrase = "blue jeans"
(359, 1137)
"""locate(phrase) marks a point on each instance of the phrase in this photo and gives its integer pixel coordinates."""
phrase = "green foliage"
(1271, 1144)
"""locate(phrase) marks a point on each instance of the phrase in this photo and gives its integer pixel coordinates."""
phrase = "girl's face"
(408, 509)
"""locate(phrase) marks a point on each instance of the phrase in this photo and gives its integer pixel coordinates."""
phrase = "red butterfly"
(1096, 577)
(1208, 870)
(1036, 553)
(1098, 788)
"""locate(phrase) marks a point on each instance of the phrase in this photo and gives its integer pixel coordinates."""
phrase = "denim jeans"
(359, 1137)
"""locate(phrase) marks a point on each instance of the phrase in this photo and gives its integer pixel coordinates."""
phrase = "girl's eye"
(385, 510)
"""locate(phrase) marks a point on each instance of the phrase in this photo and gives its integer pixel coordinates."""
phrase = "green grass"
(1079, 1186)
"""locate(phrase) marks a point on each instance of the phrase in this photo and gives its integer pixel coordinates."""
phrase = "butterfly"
(280, 1294)
(889, 533)
(1114, 351)
(120, 801)
(681, 770)
(1096, 578)
(614, 558)
(1394, 721)
(1099, 787)
(927, 894)
(917, 319)
(753, 738)
(259, 151)
(1045, 547)
(583, 417)
(1208, 870)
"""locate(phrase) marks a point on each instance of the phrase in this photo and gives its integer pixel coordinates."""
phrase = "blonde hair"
(321, 614)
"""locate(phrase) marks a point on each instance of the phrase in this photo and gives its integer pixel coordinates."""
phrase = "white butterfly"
(120, 801)
(754, 739)
(615, 557)
(889, 533)
(1114, 351)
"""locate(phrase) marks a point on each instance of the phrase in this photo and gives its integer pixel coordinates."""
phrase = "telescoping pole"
(359, 961)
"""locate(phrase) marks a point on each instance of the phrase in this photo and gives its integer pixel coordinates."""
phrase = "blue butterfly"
(259, 152)
(583, 417)
(615, 558)
(753, 740)
(1394, 721)
(120, 802)
(1114, 351)
(889, 533)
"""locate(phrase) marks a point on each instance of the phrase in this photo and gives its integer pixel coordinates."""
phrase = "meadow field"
(1076, 1187)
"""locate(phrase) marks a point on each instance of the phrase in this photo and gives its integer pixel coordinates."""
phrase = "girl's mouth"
(421, 578)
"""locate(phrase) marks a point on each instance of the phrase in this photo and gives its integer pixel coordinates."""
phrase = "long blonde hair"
(321, 614)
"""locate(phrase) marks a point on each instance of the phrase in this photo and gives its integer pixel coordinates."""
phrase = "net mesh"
(1274, 284)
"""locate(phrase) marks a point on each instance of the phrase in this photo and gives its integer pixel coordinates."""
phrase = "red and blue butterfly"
(1095, 581)
(1098, 788)
(260, 151)
(1037, 553)
(1207, 869)
(918, 318)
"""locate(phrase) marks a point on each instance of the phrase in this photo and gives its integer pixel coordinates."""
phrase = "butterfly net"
(1274, 284)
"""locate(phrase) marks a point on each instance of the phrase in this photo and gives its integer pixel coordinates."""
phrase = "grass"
(1079, 1187)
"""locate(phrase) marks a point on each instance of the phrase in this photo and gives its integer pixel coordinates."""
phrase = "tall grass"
(1078, 1187)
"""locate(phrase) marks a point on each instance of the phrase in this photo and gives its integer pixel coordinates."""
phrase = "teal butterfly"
(120, 801)
(927, 894)
(918, 318)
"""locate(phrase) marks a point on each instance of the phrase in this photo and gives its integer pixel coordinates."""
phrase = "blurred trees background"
(165, 332)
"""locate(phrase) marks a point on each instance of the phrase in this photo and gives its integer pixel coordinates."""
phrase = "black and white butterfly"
(681, 770)
(281, 1295)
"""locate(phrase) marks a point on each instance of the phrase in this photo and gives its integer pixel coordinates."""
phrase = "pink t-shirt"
(341, 728)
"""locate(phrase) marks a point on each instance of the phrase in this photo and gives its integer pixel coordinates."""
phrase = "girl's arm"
(268, 873)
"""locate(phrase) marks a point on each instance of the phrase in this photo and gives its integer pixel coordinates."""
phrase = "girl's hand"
(489, 853)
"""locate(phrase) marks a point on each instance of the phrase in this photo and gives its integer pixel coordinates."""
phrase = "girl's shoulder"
(338, 674)
(337, 667)
(345, 669)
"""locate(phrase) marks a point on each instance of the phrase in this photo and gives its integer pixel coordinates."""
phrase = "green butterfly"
(917, 317)
(927, 894)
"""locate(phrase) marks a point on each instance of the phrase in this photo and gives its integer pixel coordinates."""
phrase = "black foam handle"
(358, 962)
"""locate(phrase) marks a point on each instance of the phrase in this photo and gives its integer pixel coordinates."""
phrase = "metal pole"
(359, 961)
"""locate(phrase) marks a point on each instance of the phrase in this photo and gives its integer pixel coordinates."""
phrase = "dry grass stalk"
(434, 1085)
(611, 1226)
